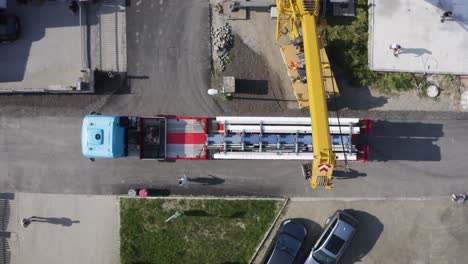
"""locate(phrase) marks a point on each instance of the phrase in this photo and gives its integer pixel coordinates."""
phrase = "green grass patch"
(209, 231)
(346, 39)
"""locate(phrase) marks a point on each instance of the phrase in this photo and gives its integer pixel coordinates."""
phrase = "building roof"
(428, 45)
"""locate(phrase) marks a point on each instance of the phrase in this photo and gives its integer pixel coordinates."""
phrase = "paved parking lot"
(390, 230)
(55, 45)
(48, 53)
(71, 229)
(169, 67)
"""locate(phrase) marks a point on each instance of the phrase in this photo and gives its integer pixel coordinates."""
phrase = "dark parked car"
(291, 236)
(339, 230)
(9, 27)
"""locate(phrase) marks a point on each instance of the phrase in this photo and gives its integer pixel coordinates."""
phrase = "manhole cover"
(432, 91)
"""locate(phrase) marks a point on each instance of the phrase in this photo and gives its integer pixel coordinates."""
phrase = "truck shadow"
(369, 230)
(390, 141)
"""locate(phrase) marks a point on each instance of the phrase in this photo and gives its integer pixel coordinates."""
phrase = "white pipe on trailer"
(240, 147)
(277, 156)
(288, 129)
(282, 120)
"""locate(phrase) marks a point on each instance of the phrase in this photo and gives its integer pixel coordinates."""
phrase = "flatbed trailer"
(202, 138)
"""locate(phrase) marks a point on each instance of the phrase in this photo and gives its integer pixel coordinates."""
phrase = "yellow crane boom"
(299, 18)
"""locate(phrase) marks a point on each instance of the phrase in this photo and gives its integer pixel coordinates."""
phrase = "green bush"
(347, 40)
(389, 83)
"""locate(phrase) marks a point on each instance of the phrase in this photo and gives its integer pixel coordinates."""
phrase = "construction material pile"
(222, 42)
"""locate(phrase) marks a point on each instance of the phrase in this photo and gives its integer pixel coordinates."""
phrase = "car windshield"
(348, 220)
(288, 244)
(326, 234)
(323, 258)
(335, 244)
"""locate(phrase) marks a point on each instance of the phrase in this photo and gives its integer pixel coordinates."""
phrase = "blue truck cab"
(103, 136)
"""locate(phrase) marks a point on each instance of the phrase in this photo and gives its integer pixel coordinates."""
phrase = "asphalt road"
(408, 159)
(168, 69)
(168, 47)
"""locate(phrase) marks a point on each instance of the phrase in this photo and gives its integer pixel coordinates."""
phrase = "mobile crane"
(298, 19)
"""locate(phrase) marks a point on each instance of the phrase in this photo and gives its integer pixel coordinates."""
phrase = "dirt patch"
(257, 86)
(262, 83)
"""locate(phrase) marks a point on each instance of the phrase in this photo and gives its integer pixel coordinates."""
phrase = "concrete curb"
(352, 199)
(370, 50)
(201, 198)
(267, 234)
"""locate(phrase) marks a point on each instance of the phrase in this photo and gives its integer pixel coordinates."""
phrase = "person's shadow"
(64, 221)
(211, 180)
(416, 51)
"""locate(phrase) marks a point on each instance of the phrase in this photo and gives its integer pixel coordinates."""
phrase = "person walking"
(459, 198)
(446, 15)
(183, 181)
(26, 222)
(396, 49)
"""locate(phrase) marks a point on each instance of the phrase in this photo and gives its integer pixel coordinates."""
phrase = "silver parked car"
(339, 230)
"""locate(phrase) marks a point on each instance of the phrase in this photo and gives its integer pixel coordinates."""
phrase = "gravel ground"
(257, 86)
(263, 83)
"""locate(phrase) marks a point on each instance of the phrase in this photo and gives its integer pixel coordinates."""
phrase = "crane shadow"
(350, 174)
(349, 93)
